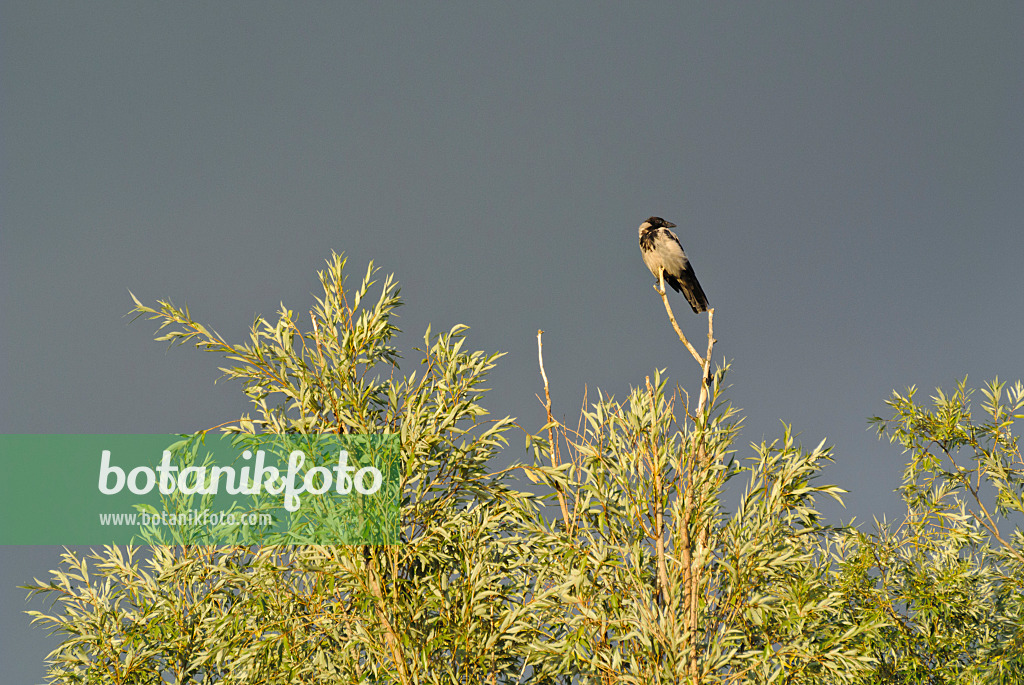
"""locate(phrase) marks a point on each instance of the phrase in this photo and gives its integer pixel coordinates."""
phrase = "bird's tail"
(696, 297)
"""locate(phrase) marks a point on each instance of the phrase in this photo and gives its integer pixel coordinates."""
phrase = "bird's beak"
(670, 224)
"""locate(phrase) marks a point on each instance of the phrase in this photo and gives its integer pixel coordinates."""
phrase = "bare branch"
(692, 546)
(672, 318)
(705, 383)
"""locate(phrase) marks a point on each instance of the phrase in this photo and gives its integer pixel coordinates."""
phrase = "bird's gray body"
(661, 250)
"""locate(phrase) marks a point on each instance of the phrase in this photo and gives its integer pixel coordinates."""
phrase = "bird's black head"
(658, 222)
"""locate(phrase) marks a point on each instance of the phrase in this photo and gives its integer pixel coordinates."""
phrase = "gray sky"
(847, 180)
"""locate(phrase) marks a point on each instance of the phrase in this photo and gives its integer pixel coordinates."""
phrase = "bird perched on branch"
(661, 251)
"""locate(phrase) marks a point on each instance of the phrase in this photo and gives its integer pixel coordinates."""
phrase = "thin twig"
(659, 515)
(552, 445)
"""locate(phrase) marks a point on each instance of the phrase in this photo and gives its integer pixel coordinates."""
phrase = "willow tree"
(649, 548)
(446, 605)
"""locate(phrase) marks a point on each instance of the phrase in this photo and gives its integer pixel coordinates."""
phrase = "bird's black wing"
(683, 279)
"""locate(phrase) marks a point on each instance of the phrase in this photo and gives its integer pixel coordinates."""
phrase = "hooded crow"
(661, 250)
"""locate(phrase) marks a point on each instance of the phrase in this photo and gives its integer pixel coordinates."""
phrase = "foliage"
(629, 566)
(767, 606)
(426, 611)
(951, 576)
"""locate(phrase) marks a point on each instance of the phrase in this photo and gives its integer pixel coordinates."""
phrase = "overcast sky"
(848, 181)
